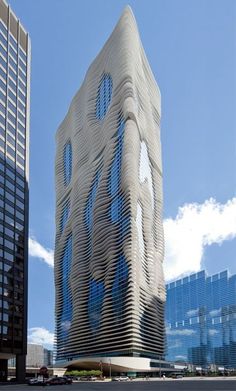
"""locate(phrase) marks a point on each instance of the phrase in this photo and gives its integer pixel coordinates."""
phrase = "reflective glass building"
(109, 281)
(201, 319)
(14, 133)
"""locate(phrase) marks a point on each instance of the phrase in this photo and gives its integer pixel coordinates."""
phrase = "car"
(32, 381)
(68, 379)
(88, 378)
(36, 382)
(176, 375)
(93, 378)
(120, 378)
(56, 381)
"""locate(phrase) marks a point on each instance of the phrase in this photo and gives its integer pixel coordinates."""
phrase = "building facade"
(201, 319)
(14, 144)
(37, 357)
(48, 357)
(109, 281)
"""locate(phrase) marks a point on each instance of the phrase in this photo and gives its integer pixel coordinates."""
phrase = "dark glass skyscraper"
(201, 319)
(14, 140)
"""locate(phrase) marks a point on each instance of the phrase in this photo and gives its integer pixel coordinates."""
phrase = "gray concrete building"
(35, 355)
(38, 356)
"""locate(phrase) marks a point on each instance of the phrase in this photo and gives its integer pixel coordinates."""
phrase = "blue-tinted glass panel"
(116, 209)
(67, 161)
(119, 287)
(96, 296)
(201, 319)
(13, 42)
(115, 172)
(91, 201)
(3, 28)
(104, 96)
(23, 55)
(66, 309)
(3, 51)
(120, 217)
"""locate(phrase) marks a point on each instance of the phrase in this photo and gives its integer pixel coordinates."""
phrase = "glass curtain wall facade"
(110, 290)
(201, 319)
(14, 125)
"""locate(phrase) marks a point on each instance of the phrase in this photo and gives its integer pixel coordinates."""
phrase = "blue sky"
(191, 49)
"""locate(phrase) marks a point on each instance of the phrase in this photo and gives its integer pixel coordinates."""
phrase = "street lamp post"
(110, 367)
(101, 368)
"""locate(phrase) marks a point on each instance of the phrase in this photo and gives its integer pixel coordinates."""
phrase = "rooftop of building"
(199, 275)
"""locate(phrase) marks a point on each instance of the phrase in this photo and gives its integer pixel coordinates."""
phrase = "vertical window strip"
(104, 96)
(67, 163)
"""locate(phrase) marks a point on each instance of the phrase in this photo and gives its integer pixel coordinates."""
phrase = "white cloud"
(179, 357)
(196, 226)
(38, 251)
(177, 344)
(193, 312)
(41, 336)
(214, 313)
(213, 332)
(186, 332)
(66, 325)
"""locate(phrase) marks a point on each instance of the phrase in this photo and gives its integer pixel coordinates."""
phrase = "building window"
(66, 310)
(120, 285)
(67, 162)
(96, 296)
(91, 201)
(145, 170)
(104, 96)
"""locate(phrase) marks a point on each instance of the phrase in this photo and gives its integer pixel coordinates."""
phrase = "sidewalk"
(197, 378)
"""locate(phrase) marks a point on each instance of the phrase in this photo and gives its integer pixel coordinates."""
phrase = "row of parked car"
(121, 378)
(52, 381)
(61, 380)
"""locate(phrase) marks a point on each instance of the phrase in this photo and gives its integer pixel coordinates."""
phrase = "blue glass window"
(120, 284)
(3, 74)
(104, 96)
(3, 85)
(67, 161)
(3, 51)
(115, 172)
(116, 209)
(3, 39)
(13, 42)
(3, 28)
(96, 295)
(201, 314)
(119, 216)
(66, 311)
(3, 63)
(23, 55)
(91, 201)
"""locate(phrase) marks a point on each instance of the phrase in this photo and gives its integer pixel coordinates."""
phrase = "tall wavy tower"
(109, 281)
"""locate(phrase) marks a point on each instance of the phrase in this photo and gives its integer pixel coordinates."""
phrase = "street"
(159, 385)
